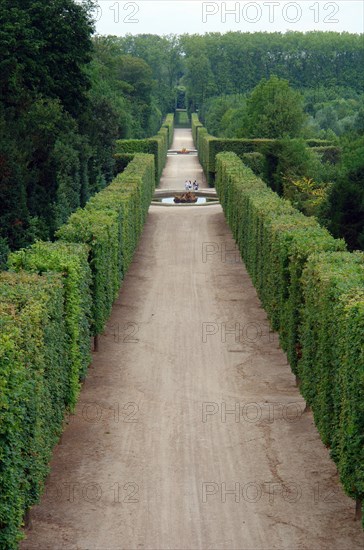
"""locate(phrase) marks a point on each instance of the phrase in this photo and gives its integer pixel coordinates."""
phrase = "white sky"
(196, 16)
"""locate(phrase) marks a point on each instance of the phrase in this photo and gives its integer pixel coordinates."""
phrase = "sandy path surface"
(180, 168)
(190, 432)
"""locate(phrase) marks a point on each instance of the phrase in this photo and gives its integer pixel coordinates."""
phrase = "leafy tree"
(274, 110)
(42, 53)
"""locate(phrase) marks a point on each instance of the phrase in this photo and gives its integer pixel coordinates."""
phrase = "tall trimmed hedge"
(157, 145)
(35, 368)
(71, 261)
(99, 230)
(195, 125)
(332, 364)
(169, 124)
(209, 147)
(55, 297)
(111, 224)
(275, 241)
(313, 291)
(121, 161)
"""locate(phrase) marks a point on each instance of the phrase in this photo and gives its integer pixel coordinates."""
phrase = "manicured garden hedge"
(332, 364)
(111, 224)
(71, 261)
(275, 241)
(209, 147)
(35, 367)
(313, 291)
(169, 124)
(100, 231)
(255, 161)
(195, 125)
(54, 298)
(157, 145)
(121, 161)
(329, 153)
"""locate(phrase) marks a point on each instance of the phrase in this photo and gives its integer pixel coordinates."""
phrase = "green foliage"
(274, 110)
(307, 195)
(71, 261)
(195, 125)
(169, 124)
(111, 225)
(255, 161)
(238, 61)
(329, 153)
(45, 311)
(34, 382)
(4, 252)
(333, 112)
(286, 159)
(275, 241)
(121, 161)
(346, 199)
(332, 365)
(157, 145)
(182, 120)
(163, 56)
(198, 79)
(283, 158)
(313, 291)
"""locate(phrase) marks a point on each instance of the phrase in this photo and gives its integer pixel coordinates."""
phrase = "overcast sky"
(194, 16)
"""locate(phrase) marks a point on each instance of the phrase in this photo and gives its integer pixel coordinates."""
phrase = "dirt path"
(182, 167)
(153, 454)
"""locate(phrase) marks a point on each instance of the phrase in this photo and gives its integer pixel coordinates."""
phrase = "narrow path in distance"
(180, 168)
(189, 432)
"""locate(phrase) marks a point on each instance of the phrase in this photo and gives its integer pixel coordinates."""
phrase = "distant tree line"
(234, 63)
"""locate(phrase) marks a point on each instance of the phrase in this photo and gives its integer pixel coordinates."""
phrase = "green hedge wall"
(35, 370)
(195, 125)
(157, 145)
(275, 241)
(209, 147)
(55, 296)
(71, 261)
(169, 124)
(331, 154)
(99, 230)
(313, 291)
(111, 224)
(255, 161)
(121, 161)
(332, 364)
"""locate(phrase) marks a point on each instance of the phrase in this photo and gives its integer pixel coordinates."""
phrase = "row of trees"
(65, 97)
(234, 63)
